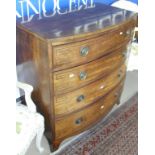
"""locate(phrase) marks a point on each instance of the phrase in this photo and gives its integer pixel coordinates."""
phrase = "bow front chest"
(76, 63)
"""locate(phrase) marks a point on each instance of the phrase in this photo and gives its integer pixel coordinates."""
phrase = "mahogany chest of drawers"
(76, 64)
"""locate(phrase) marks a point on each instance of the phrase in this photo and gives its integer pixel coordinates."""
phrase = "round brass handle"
(83, 75)
(128, 32)
(102, 107)
(120, 73)
(78, 121)
(80, 98)
(121, 33)
(124, 54)
(116, 94)
(84, 51)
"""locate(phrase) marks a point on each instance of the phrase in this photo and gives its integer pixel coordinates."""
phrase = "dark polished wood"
(76, 64)
(68, 80)
(68, 102)
(89, 116)
(32, 68)
(65, 56)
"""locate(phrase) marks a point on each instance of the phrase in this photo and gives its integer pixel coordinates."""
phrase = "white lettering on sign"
(18, 15)
(28, 6)
(100, 23)
(53, 12)
(41, 10)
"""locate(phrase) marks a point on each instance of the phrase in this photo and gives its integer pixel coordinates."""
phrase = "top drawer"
(73, 54)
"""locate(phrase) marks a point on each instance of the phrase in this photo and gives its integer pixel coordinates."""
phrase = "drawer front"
(69, 102)
(69, 55)
(81, 120)
(70, 79)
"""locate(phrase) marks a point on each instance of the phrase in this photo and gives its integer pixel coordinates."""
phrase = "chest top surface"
(76, 23)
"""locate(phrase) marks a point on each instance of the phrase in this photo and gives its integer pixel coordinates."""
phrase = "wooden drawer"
(81, 120)
(73, 54)
(73, 62)
(69, 102)
(70, 79)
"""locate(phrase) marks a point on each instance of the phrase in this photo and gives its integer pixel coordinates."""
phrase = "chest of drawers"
(76, 64)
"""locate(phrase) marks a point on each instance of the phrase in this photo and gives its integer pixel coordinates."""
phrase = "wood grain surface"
(69, 79)
(80, 121)
(75, 62)
(69, 102)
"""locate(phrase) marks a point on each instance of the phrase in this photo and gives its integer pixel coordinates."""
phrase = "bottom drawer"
(79, 121)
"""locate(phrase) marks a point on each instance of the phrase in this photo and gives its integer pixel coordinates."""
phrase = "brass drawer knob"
(124, 54)
(80, 98)
(121, 33)
(120, 73)
(84, 51)
(102, 107)
(79, 121)
(116, 94)
(128, 32)
(83, 75)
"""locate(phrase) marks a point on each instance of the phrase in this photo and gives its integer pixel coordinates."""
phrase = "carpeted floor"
(117, 135)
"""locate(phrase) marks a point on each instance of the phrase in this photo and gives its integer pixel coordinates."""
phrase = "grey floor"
(130, 88)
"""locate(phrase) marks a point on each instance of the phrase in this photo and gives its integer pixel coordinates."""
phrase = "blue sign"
(26, 9)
